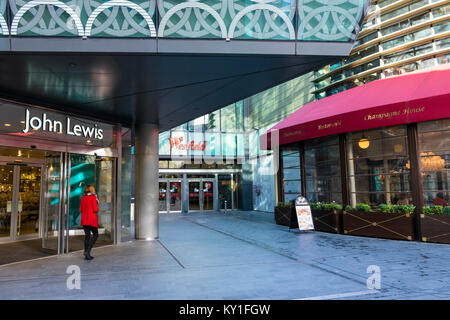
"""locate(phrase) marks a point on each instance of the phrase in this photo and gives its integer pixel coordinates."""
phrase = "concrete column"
(185, 194)
(146, 177)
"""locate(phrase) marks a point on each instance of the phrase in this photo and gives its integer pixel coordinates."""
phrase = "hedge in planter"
(327, 217)
(283, 212)
(435, 224)
(387, 221)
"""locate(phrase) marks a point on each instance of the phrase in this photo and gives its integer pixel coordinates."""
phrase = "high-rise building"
(396, 37)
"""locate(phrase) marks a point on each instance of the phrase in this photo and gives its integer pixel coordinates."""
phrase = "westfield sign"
(178, 144)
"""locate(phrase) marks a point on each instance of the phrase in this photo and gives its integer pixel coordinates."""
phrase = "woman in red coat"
(89, 219)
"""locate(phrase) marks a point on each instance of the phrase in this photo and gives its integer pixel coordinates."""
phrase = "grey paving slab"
(237, 255)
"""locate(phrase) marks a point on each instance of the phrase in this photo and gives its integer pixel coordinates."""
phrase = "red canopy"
(413, 97)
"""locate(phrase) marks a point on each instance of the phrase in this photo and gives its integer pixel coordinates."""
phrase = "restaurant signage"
(304, 215)
(177, 143)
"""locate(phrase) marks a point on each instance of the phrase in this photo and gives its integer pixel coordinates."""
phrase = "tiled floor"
(240, 255)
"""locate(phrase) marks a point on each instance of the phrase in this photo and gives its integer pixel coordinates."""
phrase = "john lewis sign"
(46, 123)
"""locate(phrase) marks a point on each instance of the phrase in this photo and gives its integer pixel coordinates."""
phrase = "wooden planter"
(379, 225)
(327, 221)
(435, 228)
(283, 215)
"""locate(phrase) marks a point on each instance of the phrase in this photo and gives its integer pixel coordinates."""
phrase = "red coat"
(89, 209)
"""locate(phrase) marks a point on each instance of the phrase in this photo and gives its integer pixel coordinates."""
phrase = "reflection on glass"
(163, 196)
(379, 173)
(208, 195)
(194, 195)
(175, 196)
(434, 139)
(225, 190)
(104, 185)
(322, 162)
(98, 171)
(6, 186)
(51, 205)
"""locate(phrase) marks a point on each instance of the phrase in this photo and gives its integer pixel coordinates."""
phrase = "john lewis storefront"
(46, 159)
(381, 150)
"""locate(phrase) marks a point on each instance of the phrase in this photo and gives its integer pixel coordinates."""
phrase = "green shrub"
(405, 208)
(363, 207)
(385, 208)
(284, 204)
(315, 205)
(446, 210)
(325, 206)
(431, 210)
(395, 208)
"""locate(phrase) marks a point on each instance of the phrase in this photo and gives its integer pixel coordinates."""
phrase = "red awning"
(413, 97)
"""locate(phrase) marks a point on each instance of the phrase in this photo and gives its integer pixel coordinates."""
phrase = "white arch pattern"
(330, 9)
(119, 3)
(4, 26)
(324, 22)
(193, 4)
(261, 6)
(56, 3)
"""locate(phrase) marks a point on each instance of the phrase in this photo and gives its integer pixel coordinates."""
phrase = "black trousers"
(89, 240)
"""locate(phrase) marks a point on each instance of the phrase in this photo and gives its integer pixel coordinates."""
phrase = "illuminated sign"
(44, 123)
(178, 144)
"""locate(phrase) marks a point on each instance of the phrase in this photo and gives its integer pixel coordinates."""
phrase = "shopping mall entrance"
(200, 194)
(189, 190)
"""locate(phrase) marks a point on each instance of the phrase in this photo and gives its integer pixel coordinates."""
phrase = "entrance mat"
(21, 251)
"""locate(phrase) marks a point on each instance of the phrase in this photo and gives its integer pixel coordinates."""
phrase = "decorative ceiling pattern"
(308, 20)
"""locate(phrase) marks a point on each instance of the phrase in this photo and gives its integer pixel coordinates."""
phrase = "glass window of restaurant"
(323, 170)
(291, 177)
(434, 145)
(378, 166)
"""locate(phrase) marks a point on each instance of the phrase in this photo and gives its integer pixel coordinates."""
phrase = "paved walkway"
(241, 255)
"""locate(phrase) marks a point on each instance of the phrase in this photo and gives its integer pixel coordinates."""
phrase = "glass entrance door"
(6, 196)
(52, 204)
(99, 172)
(194, 195)
(20, 191)
(28, 203)
(175, 196)
(163, 196)
(207, 195)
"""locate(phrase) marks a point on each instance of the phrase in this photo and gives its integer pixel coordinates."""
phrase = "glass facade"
(322, 168)
(219, 134)
(379, 167)
(434, 141)
(291, 173)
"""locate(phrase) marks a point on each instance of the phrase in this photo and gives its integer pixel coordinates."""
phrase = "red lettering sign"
(178, 144)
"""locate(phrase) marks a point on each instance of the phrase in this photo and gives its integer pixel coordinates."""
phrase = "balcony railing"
(304, 20)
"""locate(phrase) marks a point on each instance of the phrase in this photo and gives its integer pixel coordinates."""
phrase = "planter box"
(379, 225)
(327, 221)
(283, 216)
(435, 228)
